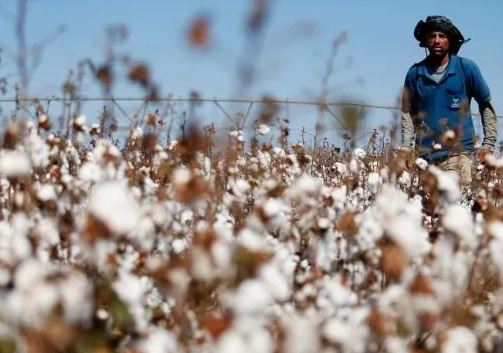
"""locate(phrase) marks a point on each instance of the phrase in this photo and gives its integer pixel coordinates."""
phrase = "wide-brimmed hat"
(442, 24)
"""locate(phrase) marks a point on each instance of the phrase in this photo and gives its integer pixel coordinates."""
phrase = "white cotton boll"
(458, 220)
(273, 207)
(338, 294)
(304, 187)
(112, 203)
(29, 273)
(76, 295)
(104, 147)
(260, 341)
(179, 245)
(41, 299)
(186, 216)
(47, 229)
(275, 281)
(409, 235)
(202, 267)
(421, 163)
(301, 335)
(405, 179)
(38, 151)
(359, 153)
(230, 342)
(396, 345)
(222, 256)
(323, 223)
(137, 133)
(130, 288)
(460, 340)
(47, 192)
(14, 164)
(251, 297)
(263, 129)
(496, 229)
(373, 182)
(447, 182)
(251, 240)
(90, 172)
(5, 276)
(80, 120)
(351, 336)
(159, 341)
(239, 188)
(354, 166)
(341, 168)
(181, 176)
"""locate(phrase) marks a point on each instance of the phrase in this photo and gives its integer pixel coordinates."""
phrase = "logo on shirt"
(455, 102)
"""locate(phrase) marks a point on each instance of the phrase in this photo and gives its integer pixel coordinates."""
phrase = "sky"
(369, 66)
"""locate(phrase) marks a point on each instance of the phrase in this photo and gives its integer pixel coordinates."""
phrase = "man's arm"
(489, 125)
(482, 95)
(408, 131)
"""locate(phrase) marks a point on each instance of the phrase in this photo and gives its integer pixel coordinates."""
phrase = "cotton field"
(151, 248)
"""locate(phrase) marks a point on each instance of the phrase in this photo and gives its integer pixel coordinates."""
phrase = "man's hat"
(442, 24)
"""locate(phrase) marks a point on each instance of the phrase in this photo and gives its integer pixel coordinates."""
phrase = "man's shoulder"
(467, 62)
(414, 67)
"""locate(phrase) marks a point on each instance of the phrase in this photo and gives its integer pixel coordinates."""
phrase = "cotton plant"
(171, 248)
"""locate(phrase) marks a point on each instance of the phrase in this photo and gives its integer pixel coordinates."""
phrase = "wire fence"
(302, 116)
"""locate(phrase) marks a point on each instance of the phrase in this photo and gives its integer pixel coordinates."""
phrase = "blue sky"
(380, 47)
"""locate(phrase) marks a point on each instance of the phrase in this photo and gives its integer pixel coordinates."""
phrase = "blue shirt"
(442, 106)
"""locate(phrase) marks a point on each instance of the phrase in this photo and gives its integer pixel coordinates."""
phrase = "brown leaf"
(198, 33)
(104, 74)
(140, 73)
(347, 224)
(421, 285)
(377, 322)
(215, 324)
(393, 261)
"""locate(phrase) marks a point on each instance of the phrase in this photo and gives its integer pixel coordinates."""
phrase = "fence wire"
(300, 116)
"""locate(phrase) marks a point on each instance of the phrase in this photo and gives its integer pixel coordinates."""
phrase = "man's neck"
(436, 61)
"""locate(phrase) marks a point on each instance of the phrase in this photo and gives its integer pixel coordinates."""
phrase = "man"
(436, 117)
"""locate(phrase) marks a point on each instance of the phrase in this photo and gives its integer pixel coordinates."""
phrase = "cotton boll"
(337, 294)
(230, 342)
(405, 179)
(113, 204)
(275, 281)
(373, 182)
(421, 164)
(90, 172)
(251, 297)
(76, 295)
(159, 340)
(202, 268)
(301, 334)
(47, 192)
(447, 183)
(458, 220)
(352, 336)
(47, 229)
(460, 340)
(359, 153)
(14, 164)
(263, 129)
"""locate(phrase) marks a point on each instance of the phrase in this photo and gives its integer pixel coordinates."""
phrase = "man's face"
(437, 43)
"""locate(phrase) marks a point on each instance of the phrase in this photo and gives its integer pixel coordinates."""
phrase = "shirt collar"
(451, 67)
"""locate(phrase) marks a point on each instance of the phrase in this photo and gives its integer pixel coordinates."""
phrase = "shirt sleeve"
(407, 107)
(480, 89)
